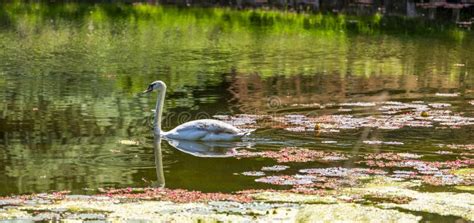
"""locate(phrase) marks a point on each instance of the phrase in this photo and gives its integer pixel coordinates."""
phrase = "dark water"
(71, 117)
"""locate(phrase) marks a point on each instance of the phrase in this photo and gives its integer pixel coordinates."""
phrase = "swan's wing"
(208, 126)
(205, 130)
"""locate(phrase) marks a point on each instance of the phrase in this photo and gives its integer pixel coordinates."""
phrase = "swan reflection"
(160, 176)
(207, 148)
(194, 148)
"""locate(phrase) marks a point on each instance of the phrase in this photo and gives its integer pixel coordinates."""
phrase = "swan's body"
(198, 130)
(205, 130)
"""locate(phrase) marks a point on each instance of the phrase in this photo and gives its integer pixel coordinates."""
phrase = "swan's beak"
(148, 90)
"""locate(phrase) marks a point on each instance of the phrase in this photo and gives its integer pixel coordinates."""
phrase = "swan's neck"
(159, 109)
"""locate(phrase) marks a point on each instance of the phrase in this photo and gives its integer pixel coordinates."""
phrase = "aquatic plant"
(352, 212)
(467, 147)
(378, 142)
(253, 173)
(286, 180)
(343, 172)
(447, 94)
(379, 194)
(291, 154)
(177, 195)
(391, 156)
(275, 168)
(393, 115)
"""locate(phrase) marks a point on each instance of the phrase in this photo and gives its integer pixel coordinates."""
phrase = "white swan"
(198, 130)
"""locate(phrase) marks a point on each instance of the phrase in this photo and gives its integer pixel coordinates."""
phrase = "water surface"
(71, 117)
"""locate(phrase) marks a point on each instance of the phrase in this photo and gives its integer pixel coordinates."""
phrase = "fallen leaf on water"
(377, 142)
(253, 173)
(275, 168)
(129, 142)
(447, 94)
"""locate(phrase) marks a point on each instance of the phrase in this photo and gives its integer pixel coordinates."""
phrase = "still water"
(72, 118)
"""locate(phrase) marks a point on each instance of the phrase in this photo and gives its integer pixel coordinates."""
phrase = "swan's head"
(158, 85)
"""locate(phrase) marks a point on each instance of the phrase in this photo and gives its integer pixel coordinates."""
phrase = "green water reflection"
(68, 92)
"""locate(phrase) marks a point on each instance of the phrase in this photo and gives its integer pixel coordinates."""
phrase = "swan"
(197, 130)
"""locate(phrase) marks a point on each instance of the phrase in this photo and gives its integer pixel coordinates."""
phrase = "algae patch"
(442, 203)
(294, 198)
(352, 213)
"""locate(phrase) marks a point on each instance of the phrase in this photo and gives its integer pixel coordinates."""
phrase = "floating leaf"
(447, 94)
(129, 142)
(275, 168)
(253, 173)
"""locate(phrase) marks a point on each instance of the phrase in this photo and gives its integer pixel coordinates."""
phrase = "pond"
(320, 102)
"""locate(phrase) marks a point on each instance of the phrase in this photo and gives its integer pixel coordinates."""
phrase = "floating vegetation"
(393, 115)
(343, 172)
(420, 165)
(334, 158)
(352, 213)
(440, 152)
(391, 156)
(286, 180)
(373, 200)
(253, 173)
(466, 172)
(377, 142)
(388, 199)
(439, 105)
(176, 195)
(275, 168)
(288, 197)
(430, 172)
(292, 154)
(458, 146)
(443, 203)
(327, 178)
(271, 206)
(465, 188)
(329, 142)
(443, 180)
(404, 174)
(358, 104)
(111, 210)
(447, 94)
(129, 142)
